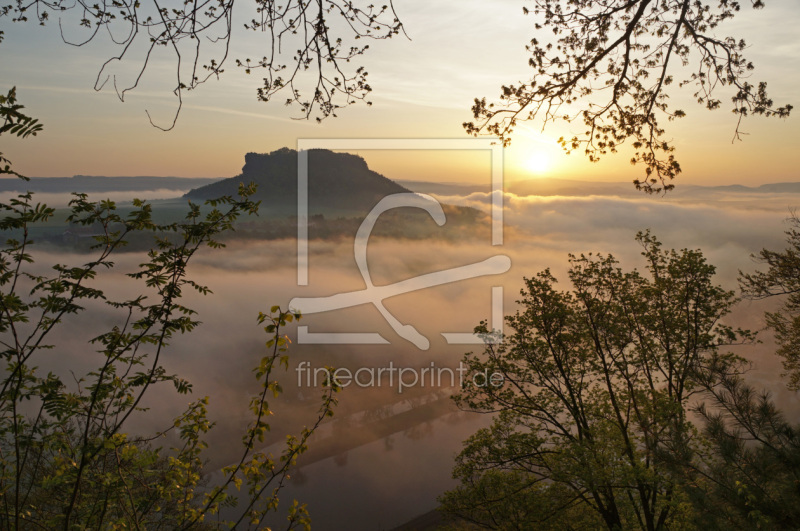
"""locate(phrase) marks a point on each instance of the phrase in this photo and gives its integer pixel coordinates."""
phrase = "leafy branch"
(14, 122)
(65, 458)
(616, 58)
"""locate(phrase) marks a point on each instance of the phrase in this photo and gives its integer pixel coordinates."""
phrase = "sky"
(423, 88)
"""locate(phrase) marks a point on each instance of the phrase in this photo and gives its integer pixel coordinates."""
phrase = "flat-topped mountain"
(336, 181)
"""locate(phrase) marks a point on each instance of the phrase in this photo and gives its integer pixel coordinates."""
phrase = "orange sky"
(423, 88)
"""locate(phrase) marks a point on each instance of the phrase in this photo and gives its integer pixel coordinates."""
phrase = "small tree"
(782, 279)
(592, 424)
(751, 463)
(66, 459)
(749, 469)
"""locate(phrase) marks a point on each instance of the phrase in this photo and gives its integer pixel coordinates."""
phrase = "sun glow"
(538, 162)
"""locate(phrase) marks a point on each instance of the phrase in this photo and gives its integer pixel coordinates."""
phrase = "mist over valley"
(384, 445)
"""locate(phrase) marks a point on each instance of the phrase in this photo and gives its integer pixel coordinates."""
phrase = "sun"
(538, 162)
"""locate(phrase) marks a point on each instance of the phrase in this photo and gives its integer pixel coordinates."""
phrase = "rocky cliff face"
(335, 181)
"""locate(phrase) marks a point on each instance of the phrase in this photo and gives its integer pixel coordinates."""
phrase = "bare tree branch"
(197, 35)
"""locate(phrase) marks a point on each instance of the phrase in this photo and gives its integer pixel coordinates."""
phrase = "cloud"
(250, 276)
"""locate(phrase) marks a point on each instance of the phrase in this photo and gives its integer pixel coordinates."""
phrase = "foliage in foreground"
(782, 278)
(66, 460)
(14, 122)
(597, 417)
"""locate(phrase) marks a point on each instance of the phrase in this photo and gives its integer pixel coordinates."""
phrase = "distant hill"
(780, 188)
(91, 184)
(338, 183)
(565, 187)
(436, 188)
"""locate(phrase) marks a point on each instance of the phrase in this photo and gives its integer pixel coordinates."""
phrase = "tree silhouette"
(592, 427)
(617, 57)
(781, 279)
(197, 34)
